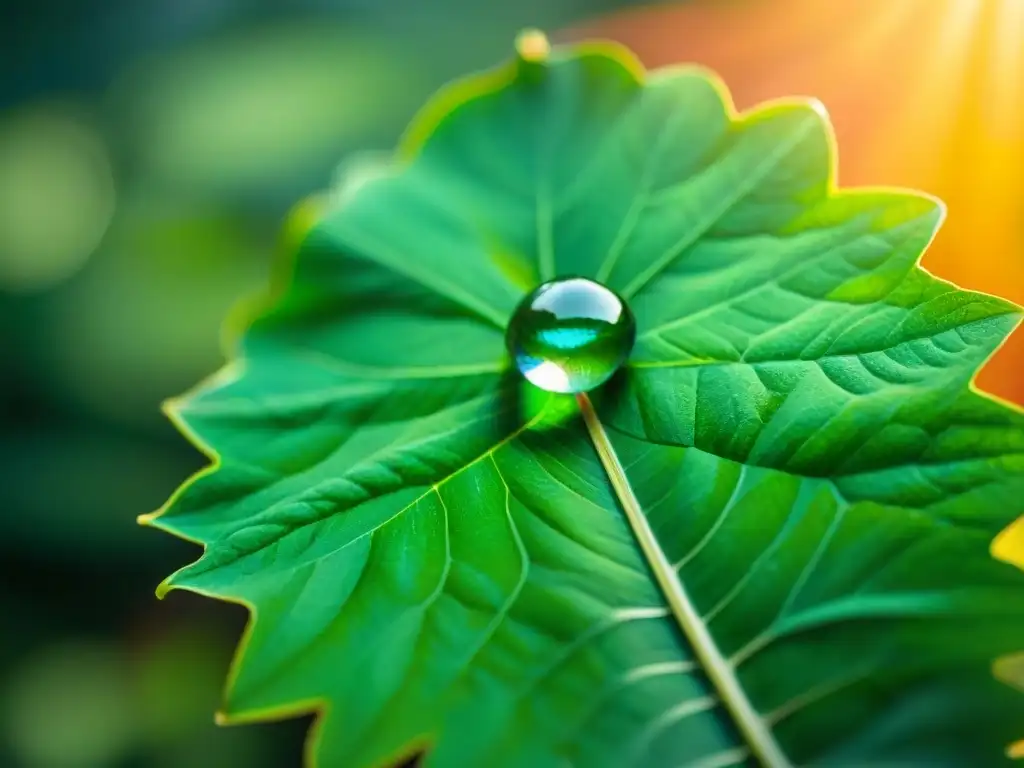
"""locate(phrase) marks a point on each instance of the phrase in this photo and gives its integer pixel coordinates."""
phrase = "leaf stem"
(750, 724)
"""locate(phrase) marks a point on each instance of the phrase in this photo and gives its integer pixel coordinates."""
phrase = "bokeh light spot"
(142, 324)
(56, 196)
(262, 106)
(68, 707)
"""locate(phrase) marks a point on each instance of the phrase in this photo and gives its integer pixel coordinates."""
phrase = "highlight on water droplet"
(570, 335)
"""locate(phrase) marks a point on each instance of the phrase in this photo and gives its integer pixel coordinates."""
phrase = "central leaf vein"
(751, 725)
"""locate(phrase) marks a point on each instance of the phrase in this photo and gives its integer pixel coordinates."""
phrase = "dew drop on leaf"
(570, 335)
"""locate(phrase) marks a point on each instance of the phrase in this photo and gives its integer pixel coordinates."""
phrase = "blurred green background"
(149, 151)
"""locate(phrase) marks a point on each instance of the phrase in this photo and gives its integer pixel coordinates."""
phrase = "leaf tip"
(928, 206)
(163, 588)
(818, 107)
(146, 519)
(532, 46)
(172, 406)
(1008, 546)
(220, 718)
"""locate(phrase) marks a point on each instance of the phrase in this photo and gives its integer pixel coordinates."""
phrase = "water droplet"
(570, 335)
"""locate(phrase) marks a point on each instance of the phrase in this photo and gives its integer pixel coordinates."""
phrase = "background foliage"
(148, 152)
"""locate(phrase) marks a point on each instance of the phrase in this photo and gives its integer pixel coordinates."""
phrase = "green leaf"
(769, 538)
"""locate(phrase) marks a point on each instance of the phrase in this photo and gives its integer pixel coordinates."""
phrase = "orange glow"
(923, 93)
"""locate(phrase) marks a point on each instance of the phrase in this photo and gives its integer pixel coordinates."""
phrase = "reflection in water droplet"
(570, 335)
